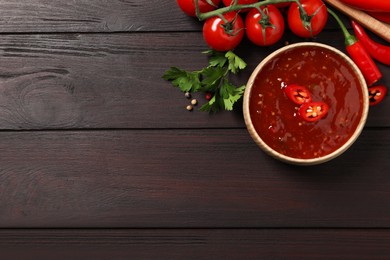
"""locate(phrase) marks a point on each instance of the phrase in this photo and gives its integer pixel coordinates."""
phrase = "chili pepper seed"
(187, 95)
(189, 108)
(194, 102)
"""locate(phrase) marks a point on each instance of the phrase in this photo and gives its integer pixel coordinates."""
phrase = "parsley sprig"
(213, 79)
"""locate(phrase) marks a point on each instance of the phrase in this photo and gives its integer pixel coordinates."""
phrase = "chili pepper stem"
(236, 7)
(359, 54)
(349, 38)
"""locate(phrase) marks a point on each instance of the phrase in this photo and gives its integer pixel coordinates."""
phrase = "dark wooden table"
(101, 160)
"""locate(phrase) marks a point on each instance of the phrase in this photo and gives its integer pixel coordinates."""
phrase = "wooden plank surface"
(104, 16)
(68, 81)
(185, 178)
(195, 244)
(93, 16)
(106, 144)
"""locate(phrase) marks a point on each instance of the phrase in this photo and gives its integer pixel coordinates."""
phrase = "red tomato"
(267, 30)
(376, 94)
(222, 36)
(313, 111)
(313, 23)
(188, 6)
(240, 2)
(298, 94)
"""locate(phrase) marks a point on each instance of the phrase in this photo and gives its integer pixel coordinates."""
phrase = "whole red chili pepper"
(359, 54)
(376, 50)
(376, 94)
(369, 5)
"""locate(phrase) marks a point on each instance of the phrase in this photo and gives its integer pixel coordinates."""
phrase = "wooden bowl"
(353, 135)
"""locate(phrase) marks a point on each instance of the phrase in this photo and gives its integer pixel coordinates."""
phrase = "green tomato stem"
(237, 7)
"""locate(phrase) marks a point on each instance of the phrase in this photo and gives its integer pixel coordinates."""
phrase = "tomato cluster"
(263, 26)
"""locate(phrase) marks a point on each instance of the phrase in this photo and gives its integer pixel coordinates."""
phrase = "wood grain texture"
(380, 28)
(195, 244)
(103, 16)
(185, 178)
(68, 81)
(106, 143)
(93, 16)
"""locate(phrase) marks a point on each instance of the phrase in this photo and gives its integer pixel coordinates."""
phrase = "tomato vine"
(237, 7)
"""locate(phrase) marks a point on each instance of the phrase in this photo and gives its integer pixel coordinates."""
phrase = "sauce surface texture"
(329, 79)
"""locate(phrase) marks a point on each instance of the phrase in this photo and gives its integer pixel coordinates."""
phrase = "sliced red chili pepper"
(313, 111)
(298, 94)
(376, 94)
(359, 54)
(377, 51)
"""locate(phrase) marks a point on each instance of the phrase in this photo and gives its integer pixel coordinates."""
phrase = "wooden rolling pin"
(366, 20)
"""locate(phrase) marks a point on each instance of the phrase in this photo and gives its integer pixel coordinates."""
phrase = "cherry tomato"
(376, 94)
(188, 6)
(314, 21)
(298, 94)
(240, 2)
(222, 36)
(313, 111)
(264, 30)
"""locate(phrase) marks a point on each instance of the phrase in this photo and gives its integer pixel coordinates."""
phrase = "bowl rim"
(299, 161)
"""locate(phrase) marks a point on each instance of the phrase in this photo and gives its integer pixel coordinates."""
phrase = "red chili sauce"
(329, 79)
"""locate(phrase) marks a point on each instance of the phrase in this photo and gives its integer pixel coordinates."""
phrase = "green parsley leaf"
(213, 78)
(217, 59)
(231, 94)
(186, 81)
(235, 63)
